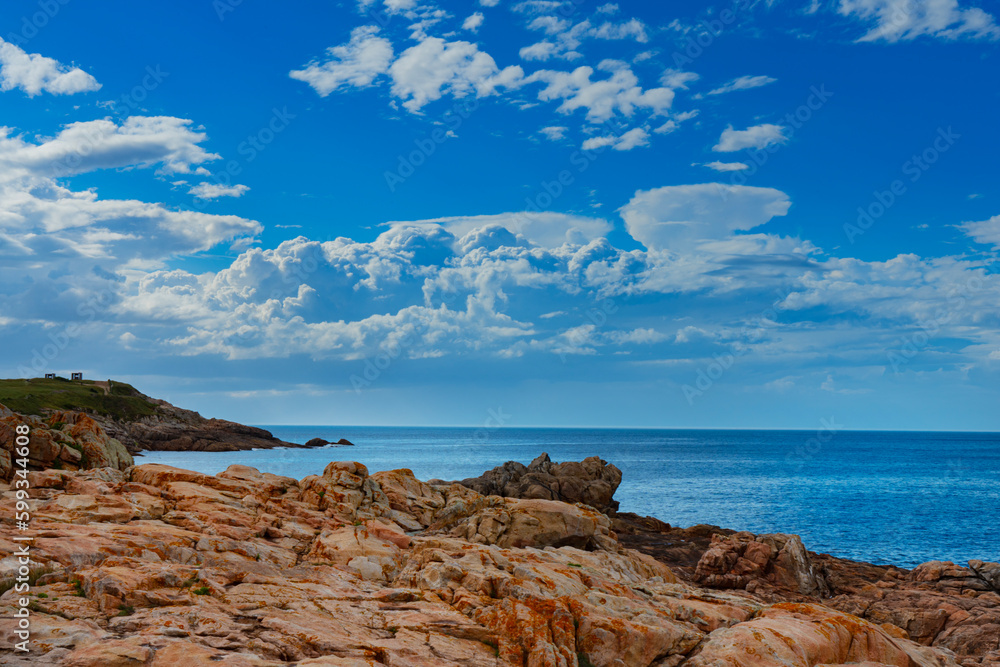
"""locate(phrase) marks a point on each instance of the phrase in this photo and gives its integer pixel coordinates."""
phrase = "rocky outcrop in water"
(591, 482)
(176, 429)
(159, 566)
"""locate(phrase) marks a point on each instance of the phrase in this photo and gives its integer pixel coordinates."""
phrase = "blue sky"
(753, 214)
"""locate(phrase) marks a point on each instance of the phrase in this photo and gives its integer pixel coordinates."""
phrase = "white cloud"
(217, 190)
(598, 142)
(680, 217)
(34, 73)
(674, 123)
(423, 73)
(139, 141)
(985, 231)
(555, 132)
(758, 136)
(537, 6)
(634, 138)
(489, 3)
(609, 8)
(473, 22)
(44, 223)
(673, 78)
(545, 229)
(619, 93)
(727, 166)
(743, 83)
(538, 51)
(357, 63)
(550, 25)
(631, 29)
(901, 20)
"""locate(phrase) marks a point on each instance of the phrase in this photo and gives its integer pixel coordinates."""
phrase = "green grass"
(204, 590)
(125, 610)
(37, 396)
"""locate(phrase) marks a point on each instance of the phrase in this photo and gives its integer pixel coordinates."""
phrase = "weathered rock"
(938, 604)
(801, 634)
(70, 440)
(163, 567)
(591, 482)
(745, 561)
(539, 524)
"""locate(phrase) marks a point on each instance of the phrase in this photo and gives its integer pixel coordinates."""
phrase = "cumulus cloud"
(742, 83)
(139, 141)
(634, 138)
(473, 22)
(680, 217)
(602, 98)
(217, 190)
(985, 231)
(564, 37)
(357, 63)
(33, 73)
(554, 132)
(902, 20)
(758, 136)
(545, 229)
(62, 239)
(727, 166)
(423, 73)
(632, 29)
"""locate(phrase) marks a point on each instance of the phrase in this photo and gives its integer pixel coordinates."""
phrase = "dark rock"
(317, 442)
(591, 481)
(345, 441)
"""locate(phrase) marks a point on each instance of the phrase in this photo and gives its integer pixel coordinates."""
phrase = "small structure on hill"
(76, 376)
(50, 376)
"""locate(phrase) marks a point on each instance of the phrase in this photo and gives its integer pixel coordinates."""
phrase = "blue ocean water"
(902, 498)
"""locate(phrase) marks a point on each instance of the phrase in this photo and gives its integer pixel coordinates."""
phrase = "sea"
(899, 498)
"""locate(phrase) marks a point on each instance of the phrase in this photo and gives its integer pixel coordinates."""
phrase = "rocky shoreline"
(165, 428)
(156, 566)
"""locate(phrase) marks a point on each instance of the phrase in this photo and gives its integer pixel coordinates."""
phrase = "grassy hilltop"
(38, 396)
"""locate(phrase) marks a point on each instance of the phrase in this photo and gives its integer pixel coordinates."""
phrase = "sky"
(746, 214)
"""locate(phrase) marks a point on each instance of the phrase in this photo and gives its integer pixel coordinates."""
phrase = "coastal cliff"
(136, 421)
(158, 566)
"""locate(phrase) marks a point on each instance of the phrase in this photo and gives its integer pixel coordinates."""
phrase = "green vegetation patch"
(38, 396)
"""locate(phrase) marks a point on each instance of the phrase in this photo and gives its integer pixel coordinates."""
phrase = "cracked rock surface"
(157, 566)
